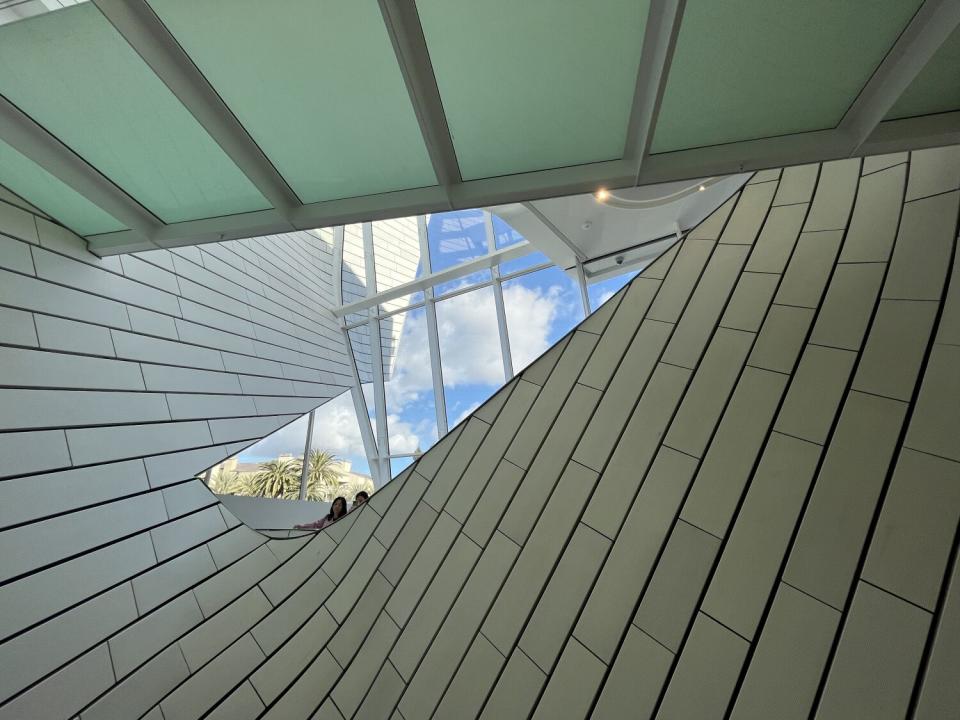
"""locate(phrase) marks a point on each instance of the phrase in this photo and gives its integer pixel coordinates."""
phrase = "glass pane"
(396, 251)
(411, 405)
(541, 307)
(398, 465)
(534, 257)
(469, 351)
(475, 278)
(74, 74)
(785, 67)
(504, 235)
(551, 82)
(308, 58)
(601, 291)
(935, 89)
(455, 237)
(60, 201)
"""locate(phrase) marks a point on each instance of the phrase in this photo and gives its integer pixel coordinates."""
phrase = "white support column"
(582, 284)
(360, 408)
(498, 301)
(307, 447)
(376, 358)
(433, 338)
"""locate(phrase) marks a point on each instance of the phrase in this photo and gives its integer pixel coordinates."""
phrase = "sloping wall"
(734, 489)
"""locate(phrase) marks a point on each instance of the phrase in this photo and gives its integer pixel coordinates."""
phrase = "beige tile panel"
(873, 225)
(940, 691)
(231, 583)
(490, 409)
(791, 655)
(764, 176)
(703, 311)
(526, 430)
(692, 257)
(433, 458)
(295, 571)
(671, 598)
(383, 694)
(815, 393)
(809, 269)
(539, 370)
(711, 228)
(341, 560)
(707, 395)
(538, 482)
(458, 629)
(898, 340)
(749, 302)
(204, 642)
(141, 690)
(419, 631)
(241, 704)
(470, 686)
(407, 543)
(636, 449)
(834, 526)
(913, 537)
(398, 514)
(636, 678)
(949, 326)
(515, 693)
(610, 348)
(308, 691)
(659, 268)
(921, 257)
(631, 560)
(703, 682)
(781, 338)
(351, 633)
(276, 627)
(536, 560)
(751, 560)
(356, 680)
(933, 171)
(797, 184)
(597, 321)
(133, 645)
(878, 162)
(748, 215)
(935, 425)
(497, 496)
(842, 321)
(280, 669)
(729, 461)
(565, 593)
(455, 463)
(572, 685)
(877, 660)
(600, 437)
(834, 196)
(777, 239)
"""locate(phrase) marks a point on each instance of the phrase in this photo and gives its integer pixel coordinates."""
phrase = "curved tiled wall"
(732, 490)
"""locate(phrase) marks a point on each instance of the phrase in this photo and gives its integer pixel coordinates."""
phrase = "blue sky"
(540, 307)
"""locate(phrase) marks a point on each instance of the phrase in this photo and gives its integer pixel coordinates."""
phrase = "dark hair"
(363, 494)
(334, 505)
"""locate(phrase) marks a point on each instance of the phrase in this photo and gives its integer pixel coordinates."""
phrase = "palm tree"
(323, 478)
(278, 478)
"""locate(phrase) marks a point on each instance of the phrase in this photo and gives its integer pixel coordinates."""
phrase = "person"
(338, 508)
(360, 499)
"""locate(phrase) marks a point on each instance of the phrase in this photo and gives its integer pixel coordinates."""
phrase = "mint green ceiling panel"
(937, 88)
(59, 201)
(316, 84)
(76, 76)
(747, 69)
(534, 84)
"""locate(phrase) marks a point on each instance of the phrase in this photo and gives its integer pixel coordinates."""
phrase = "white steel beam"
(930, 27)
(307, 447)
(136, 21)
(659, 41)
(410, 47)
(33, 141)
(376, 357)
(505, 355)
(433, 336)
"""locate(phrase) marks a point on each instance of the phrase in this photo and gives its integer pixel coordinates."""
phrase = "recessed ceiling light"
(702, 188)
(602, 194)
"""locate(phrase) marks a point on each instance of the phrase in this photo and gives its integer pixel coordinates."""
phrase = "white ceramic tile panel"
(219, 631)
(712, 226)
(497, 497)
(351, 633)
(35, 368)
(468, 690)
(32, 452)
(895, 349)
(750, 300)
(876, 214)
(949, 326)
(599, 318)
(921, 256)
(877, 658)
(834, 526)
(407, 542)
(141, 690)
(169, 579)
(71, 336)
(450, 472)
(280, 669)
(875, 163)
(777, 239)
(750, 563)
(349, 589)
(911, 542)
(515, 693)
(659, 268)
(383, 694)
(935, 425)
(241, 704)
(17, 327)
(782, 336)
(133, 645)
(703, 682)
(187, 532)
(232, 582)
(790, 657)
(940, 693)
(748, 215)
(935, 170)
(37, 409)
(634, 553)
(538, 371)
(848, 305)
(833, 199)
(357, 678)
(671, 598)
(810, 266)
(491, 408)
(680, 282)
(103, 444)
(397, 516)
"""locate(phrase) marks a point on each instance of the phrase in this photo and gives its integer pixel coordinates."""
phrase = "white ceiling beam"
(409, 45)
(930, 27)
(136, 21)
(659, 42)
(33, 141)
(578, 254)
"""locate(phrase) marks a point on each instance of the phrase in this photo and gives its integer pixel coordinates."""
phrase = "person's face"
(339, 507)
(359, 500)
